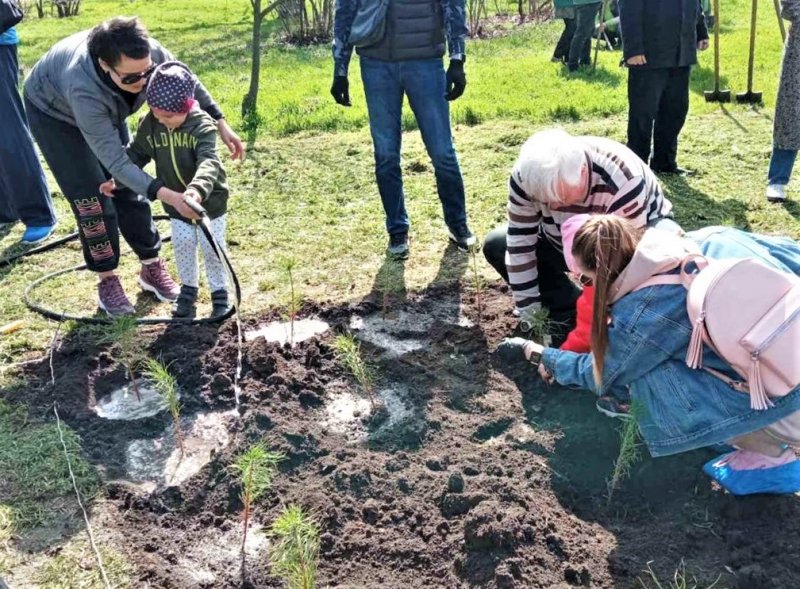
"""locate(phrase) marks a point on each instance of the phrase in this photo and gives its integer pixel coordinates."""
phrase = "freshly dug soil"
(487, 479)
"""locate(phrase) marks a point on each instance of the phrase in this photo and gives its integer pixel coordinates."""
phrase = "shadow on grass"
(694, 209)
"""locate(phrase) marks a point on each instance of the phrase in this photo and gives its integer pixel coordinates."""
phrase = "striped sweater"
(620, 184)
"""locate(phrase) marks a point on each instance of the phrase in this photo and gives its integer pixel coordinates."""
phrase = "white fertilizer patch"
(158, 463)
(217, 553)
(347, 413)
(281, 332)
(401, 332)
(122, 404)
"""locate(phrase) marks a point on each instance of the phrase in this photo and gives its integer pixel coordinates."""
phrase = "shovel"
(751, 97)
(717, 95)
(600, 29)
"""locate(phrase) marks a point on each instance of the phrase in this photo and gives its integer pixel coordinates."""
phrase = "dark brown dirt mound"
(487, 478)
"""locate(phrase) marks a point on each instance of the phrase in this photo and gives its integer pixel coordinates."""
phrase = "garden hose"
(61, 316)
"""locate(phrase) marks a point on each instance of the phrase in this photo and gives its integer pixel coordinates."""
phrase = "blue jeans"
(780, 165)
(423, 81)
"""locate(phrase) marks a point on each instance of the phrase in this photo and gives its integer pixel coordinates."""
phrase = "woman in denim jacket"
(640, 351)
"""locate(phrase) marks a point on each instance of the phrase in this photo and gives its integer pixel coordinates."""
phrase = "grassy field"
(307, 188)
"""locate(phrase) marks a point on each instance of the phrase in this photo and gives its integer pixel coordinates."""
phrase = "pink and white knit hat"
(568, 230)
(172, 87)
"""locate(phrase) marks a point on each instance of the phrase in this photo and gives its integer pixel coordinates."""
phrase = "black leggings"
(559, 294)
(100, 219)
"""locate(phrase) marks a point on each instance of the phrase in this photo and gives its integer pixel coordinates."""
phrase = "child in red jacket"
(579, 338)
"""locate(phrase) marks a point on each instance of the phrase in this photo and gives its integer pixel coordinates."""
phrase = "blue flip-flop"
(778, 480)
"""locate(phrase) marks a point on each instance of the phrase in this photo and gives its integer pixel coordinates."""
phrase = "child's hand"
(545, 374)
(108, 188)
(193, 194)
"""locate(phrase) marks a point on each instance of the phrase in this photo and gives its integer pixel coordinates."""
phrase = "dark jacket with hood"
(185, 157)
(666, 32)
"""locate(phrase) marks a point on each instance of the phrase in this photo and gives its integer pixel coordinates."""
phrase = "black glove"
(340, 90)
(456, 79)
(512, 349)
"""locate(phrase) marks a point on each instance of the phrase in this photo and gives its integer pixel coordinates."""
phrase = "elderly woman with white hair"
(556, 176)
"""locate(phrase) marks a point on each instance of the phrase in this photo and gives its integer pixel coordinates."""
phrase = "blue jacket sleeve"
(631, 18)
(455, 24)
(342, 22)
(631, 354)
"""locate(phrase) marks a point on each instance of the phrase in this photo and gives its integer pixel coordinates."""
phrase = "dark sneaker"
(155, 278)
(673, 171)
(398, 246)
(184, 307)
(111, 297)
(610, 406)
(463, 238)
(219, 303)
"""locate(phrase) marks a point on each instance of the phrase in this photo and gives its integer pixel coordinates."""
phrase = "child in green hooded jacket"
(181, 139)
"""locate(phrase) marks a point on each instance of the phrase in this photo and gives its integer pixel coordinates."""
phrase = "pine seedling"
(390, 282)
(295, 552)
(628, 452)
(477, 283)
(537, 323)
(349, 352)
(126, 345)
(256, 468)
(167, 387)
(289, 264)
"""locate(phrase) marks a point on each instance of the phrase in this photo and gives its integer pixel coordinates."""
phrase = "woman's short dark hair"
(119, 36)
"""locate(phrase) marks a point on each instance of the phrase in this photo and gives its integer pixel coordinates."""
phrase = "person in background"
(565, 10)
(662, 38)
(558, 176)
(78, 98)
(405, 58)
(580, 50)
(24, 195)
(186, 162)
(786, 132)
(640, 338)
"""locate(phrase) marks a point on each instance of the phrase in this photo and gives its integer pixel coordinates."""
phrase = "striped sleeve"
(632, 201)
(524, 218)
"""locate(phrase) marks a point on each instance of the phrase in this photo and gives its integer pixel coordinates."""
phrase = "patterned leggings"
(185, 238)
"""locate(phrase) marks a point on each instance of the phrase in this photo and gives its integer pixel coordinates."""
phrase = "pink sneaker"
(155, 278)
(111, 297)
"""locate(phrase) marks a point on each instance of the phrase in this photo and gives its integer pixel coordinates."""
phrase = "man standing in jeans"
(403, 56)
(580, 50)
(661, 42)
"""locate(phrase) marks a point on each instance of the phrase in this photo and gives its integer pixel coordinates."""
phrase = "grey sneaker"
(610, 406)
(398, 246)
(184, 307)
(111, 297)
(155, 278)
(462, 237)
(776, 193)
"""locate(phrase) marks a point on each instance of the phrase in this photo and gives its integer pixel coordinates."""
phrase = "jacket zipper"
(174, 161)
(781, 328)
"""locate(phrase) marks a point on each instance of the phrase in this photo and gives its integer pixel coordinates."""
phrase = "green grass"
(35, 488)
(508, 78)
(76, 567)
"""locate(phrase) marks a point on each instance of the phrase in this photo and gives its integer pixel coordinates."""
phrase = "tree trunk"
(250, 102)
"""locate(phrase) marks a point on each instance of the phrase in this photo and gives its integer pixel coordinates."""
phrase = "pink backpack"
(749, 314)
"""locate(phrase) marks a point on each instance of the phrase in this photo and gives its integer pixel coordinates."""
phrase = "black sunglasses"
(129, 79)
